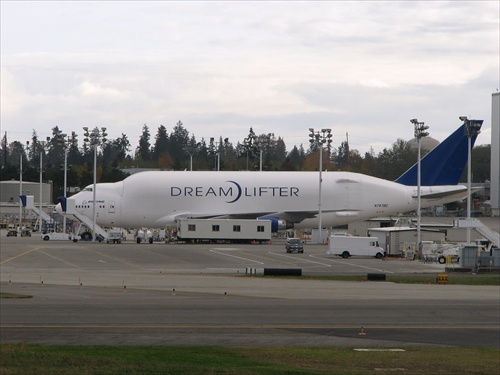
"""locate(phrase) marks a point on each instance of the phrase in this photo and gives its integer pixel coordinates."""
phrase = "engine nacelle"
(277, 224)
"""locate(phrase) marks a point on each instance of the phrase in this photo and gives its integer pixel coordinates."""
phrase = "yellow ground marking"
(20, 255)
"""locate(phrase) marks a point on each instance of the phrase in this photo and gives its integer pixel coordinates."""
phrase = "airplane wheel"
(86, 236)
(345, 254)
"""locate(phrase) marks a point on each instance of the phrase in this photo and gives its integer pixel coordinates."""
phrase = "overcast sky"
(364, 67)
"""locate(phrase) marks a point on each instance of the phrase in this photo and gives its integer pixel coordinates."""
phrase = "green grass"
(454, 279)
(37, 359)
(12, 295)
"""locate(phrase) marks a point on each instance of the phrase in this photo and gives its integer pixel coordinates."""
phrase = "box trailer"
(223, 230)
(347, 246)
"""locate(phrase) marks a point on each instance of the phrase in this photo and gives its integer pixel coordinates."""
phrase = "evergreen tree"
(341, 156)
(294, 158)
(178, 140)
(161, 146)
(143, 151)
(4, 153)
(481, 161)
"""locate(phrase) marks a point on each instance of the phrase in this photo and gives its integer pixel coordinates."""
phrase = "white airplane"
(288, 199)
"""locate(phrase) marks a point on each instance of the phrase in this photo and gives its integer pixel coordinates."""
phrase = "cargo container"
(223, 230)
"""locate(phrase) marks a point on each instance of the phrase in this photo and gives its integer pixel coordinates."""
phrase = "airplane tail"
(445, 164)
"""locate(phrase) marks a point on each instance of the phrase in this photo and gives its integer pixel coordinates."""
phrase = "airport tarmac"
(158, 294)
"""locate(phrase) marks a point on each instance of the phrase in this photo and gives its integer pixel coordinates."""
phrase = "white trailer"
(223, 230)
(347, 246)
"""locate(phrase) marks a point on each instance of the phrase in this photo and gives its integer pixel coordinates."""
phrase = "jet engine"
(277, 224)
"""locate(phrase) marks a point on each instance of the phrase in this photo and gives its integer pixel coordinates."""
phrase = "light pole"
(43, 145)
(190, 148)
(319, 138)
(95, 135)
(419, 132)
(217, 145)
(261, 142)
(248, 143)
(62, 142)
(21, 188)
(20, 192)
(472, 129)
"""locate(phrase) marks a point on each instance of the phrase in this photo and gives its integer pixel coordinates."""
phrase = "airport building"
(9, 198)
(9, 191)
(495, 155)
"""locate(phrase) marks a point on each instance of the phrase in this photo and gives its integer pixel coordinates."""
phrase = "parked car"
(12, 233)
(294, 245)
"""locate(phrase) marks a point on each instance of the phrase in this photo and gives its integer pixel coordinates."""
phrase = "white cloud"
(221, 67)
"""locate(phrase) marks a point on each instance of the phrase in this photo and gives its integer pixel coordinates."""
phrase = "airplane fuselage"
(155, 199)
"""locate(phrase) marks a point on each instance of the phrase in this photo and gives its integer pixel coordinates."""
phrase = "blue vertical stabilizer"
(445, 164)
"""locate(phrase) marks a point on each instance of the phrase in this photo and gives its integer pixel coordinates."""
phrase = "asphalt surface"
(130, 294)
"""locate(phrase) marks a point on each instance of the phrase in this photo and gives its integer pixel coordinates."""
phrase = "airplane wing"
(451, 191)
(295, 217)
(289, 216)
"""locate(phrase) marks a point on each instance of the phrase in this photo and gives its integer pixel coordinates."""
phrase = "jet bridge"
(68, 207)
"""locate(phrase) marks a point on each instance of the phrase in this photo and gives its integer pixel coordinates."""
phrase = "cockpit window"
(88, 188)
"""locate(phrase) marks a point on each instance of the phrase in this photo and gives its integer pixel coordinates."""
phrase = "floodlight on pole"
(419, 132)
(21, 188)
(43, 146)
(62, 142)
(98, 136)
(191, 148)
(319, 138)
(262, 142)
(217, 145)
(472, 128)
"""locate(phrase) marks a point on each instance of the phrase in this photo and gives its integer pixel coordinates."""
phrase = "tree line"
(180, 150)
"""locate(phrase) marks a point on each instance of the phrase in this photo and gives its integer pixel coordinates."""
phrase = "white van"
(347, 246)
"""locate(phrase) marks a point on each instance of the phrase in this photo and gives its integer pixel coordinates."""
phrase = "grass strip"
(12, 295)
(38, 359)
(453, 279)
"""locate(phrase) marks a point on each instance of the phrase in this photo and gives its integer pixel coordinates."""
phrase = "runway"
(130, 294)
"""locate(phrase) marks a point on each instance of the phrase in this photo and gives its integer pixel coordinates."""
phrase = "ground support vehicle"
(347, 246)
(115, 236)
(54, 236)
(294, 245)
(448, 253)
(12, 233)
(144, 235)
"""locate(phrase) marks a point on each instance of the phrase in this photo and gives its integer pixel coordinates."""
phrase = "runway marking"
(270, 326)
(234, 256)
(59, 259)
(116, 259)
(351, 264)
(300, 259)
(20, 255)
